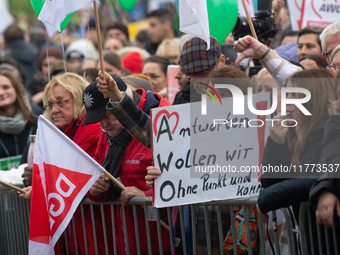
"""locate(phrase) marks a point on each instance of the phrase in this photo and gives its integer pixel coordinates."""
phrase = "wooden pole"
(249, 20)
(12, 187)
(100, 48)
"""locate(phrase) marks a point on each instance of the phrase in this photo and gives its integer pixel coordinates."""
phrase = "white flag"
(55, 11)
(62, 175)
(5, 17)
(193, 19)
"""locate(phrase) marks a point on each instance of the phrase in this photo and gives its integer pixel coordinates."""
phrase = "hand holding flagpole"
(249, 19)
(100, 48)
(120, 185)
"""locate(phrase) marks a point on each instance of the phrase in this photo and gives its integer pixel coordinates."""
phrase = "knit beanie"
(133, 62)
(52, 52)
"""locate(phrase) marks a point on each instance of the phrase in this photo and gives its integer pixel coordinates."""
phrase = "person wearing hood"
(79, 51)
(24, 53)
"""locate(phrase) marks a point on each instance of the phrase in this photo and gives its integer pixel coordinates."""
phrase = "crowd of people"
(63, 82)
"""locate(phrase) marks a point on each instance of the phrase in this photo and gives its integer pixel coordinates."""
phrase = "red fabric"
(133, 62)
(135, 161)
(86, 137)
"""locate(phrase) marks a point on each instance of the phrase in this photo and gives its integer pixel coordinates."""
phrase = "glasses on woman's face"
(58, 103)
(328, 54)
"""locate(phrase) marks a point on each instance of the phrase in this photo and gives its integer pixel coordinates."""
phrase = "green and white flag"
(55, 11)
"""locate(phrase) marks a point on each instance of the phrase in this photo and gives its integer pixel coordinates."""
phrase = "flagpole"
(12, 187)
(120, 185)
(100, 48)
(249, 20)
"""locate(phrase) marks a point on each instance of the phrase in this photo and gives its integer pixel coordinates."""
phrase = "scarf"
(114, 158)
(13, 125)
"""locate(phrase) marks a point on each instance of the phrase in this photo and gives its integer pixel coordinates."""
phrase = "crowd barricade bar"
(220, 230)
(327, 242)
(104, 229)
(136, 228)
(291, 231)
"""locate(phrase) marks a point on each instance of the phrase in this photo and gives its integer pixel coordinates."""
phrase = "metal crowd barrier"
(14, 225)
(317, 239)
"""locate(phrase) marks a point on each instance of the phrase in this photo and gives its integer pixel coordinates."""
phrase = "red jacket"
(133, 171)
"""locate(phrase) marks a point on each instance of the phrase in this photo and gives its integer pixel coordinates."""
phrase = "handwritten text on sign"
(203, 161)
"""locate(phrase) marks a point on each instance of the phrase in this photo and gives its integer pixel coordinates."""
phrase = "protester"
(64, 108)
(290, 37)
(116, 29)
(160, 28)
(24, 53)
(265, 84)
(197, 62)
(313, 61)
(17, 121)
(169, 49)
(117, 146)
(47, 58)
(309, 41)
(112, 64)
(79, 51)
(133, 62)
(155, 68)
(114, 44)
(335, 60)
(330, 38)
(298, 146)
(278, 67)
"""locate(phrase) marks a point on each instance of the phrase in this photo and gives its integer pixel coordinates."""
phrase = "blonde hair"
(321, 92)
(169, 49)
(73, 83)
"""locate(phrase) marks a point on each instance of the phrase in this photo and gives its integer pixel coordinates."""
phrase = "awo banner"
(314, 13)
(62, 175)
(208, 157)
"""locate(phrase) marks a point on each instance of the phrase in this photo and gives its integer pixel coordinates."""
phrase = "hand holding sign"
(153, 173)
(249, 48)
(109, 86)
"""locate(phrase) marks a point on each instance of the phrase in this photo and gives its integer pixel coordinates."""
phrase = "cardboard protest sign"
(312, 13)
(208, 157)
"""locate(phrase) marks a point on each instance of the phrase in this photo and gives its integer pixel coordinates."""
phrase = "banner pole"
(249, 20)
(12, 187)
(100, 48)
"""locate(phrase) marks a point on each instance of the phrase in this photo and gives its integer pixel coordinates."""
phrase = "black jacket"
(187, 94)
(278, 193)
(26, 55)
(331, 154)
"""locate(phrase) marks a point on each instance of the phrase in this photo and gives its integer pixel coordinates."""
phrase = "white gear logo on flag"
(88, 100)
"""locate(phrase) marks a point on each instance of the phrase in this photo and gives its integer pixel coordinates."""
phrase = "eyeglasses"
(335, 67)
(328, 54)
(58, 103)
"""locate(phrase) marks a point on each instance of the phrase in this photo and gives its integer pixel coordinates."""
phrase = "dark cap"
(120, 27)
(196, 59)
(95, 103)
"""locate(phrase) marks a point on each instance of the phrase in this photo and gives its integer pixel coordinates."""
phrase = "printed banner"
(305, 13)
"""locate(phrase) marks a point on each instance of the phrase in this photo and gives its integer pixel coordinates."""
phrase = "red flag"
(62, 175)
